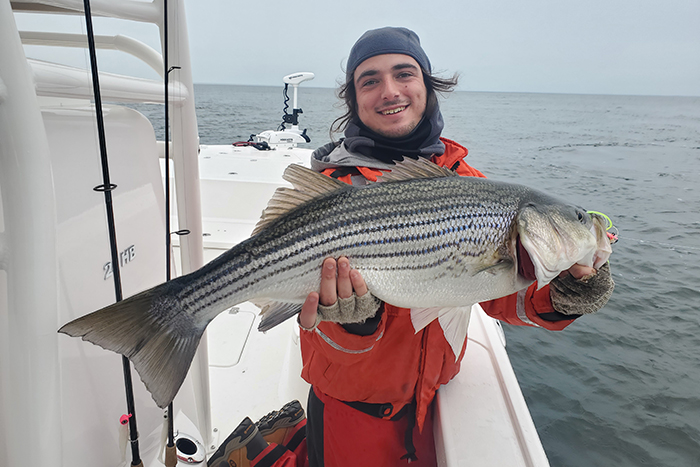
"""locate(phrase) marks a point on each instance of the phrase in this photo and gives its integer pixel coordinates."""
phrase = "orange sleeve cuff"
(537, 302)
(340, 346)
(527, 313)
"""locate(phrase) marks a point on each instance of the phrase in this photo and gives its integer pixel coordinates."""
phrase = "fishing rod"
(170, 450)
(107, 188)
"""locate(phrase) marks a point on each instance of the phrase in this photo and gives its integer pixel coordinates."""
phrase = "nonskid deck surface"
(251, 373)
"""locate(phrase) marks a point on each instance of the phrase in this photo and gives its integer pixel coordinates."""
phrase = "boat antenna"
(170, 451)
(107, 188)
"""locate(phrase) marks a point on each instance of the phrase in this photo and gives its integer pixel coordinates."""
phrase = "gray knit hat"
(388, 40)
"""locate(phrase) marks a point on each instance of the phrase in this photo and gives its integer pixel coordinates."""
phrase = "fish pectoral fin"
(495, 268)
(274, 313)
(454, 322)
(421, 317)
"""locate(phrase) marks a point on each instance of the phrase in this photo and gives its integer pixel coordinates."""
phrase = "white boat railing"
(25, 145)
(185, 138)
(27, 339)
(117, 42)
(53, 80)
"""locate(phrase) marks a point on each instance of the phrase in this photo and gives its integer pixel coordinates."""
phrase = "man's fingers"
(579, 271)
(307, 316)
(358, 283)
(329, 285)
(344, 282)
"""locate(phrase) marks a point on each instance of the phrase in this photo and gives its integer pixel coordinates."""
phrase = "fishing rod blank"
(107, 188)
(170, 450)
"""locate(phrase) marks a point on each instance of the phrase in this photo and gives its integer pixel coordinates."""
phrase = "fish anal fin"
(421, 317)
(410, 169)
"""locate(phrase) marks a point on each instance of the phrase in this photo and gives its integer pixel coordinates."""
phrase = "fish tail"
(152, 331)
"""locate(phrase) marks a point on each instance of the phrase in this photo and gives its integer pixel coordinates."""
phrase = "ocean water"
(621, 387)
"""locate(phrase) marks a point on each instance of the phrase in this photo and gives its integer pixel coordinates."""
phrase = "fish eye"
(582, 217)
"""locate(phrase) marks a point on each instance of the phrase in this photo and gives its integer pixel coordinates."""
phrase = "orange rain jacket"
(395, 365)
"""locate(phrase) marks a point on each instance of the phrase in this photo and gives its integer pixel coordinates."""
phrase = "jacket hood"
(337, 154)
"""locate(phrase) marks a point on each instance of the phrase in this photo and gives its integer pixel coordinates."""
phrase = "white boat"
(62, 400)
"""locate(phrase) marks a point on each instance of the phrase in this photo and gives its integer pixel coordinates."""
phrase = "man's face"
(391, 94)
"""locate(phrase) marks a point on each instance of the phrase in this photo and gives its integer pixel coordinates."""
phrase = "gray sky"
(649, 47)
(594, 46)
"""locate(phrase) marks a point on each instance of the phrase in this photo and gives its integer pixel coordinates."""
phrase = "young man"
(373, 382)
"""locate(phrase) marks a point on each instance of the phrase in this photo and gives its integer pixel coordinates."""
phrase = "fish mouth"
(599, 231)
(526, 268)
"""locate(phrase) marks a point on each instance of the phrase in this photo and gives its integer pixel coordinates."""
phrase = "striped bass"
(424, 238)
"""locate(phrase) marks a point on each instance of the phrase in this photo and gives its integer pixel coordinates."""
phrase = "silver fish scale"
(421, 230)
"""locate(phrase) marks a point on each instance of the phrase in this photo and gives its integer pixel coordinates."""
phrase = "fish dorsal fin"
(308, 185)
(409, 169)
(311, 182)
